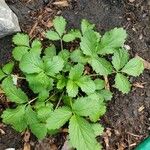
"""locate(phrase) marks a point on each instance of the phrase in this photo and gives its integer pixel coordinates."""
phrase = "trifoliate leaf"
(13, 93)
(62, 82)
(101, 66)
(98, 129)
(39, 82)
(78, 56)
(8, 68)
(39, 130)
(53, 66)
(21, 39)
(58, 118)
(89, 43)
(30, 115)
(100, 84)
(86, 84)
(76, 72)
(36, 46)
(2, 74)
(31, 63)
(85, 25)
(19, 51)
(43, 95)
(15, 117)
(72, 35)
(122, 83)
(134, 67)
(111, 40)
(52, 35)
(83, 106)
(59, 25)
(72, 88)
(81, 134)
(120, 58)
(50, 52)
(106, 94)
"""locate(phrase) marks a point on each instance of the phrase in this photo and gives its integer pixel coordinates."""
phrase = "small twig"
(61, 43)
(135, 135)
(32, 100)
(107, 86)
(21, 78)
(59, 100)
(93, 75)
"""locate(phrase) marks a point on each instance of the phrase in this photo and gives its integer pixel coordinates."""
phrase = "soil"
(127, 120)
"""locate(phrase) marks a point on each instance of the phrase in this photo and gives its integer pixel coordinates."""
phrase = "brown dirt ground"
(127, 120)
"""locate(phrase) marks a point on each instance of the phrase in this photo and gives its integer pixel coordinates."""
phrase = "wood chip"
(61, 3)
(27, 146)
(141, 108)
(131, 1)
(139, 85)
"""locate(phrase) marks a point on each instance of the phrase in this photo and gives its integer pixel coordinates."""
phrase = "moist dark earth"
(127, 120)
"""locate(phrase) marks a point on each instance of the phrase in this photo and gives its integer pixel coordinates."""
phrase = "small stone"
(8, 20)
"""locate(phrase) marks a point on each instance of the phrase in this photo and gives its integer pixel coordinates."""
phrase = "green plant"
(63, 90)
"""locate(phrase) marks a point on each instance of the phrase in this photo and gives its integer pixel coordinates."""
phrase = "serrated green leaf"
(21, 39)
(111, 40)
(52, 35)
(59, 25)
(106, 94)
(65, 54)
(39, 82)
(98, 129)
(72, 88)
(76, 72)
(43, 95)
(72, 35)
(101, 66)
(122, 83)
(2, 74)
(8, 68)
(58, 118)
(62, 82)
(86, 84)
(78, 56)
(89, 43)
(53, 66)
(85, 25)
(50, 52)
(13, 93)
(120, 58)
(36, 46)
(15, 117)
(134, 67)
(100, 84)
(83, 106)
(81, 134)
(39, 130)
(31, 63)
(19, 51)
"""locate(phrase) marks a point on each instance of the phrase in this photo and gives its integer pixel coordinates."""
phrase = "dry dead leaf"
(61, 3)
(139, 85)
(2, 131)
(107, 86)
(27, 146)
(141, 108)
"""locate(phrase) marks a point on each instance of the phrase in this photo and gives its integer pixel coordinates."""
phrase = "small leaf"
(120, 58)
(101, 66)
(76, 72)
(86, 84)
(15, 117)
(100, 84)
(39, 130)
(58, 118)
(72, 35)
(98, 129)
(19, 51)
(53, 66)
(72, 88)
(8, 68)
(52, 35)
(64, 54)
(59, 25)
(21, 39)
(2, 74)
(36, 46)
(122, 83)
(85, 25)
(43, 95)
(106, 94)
(62, 82)
(13, 93)
(31, 63)
(50, 52)
(111, 40)
(134, 67)
(81, 134)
